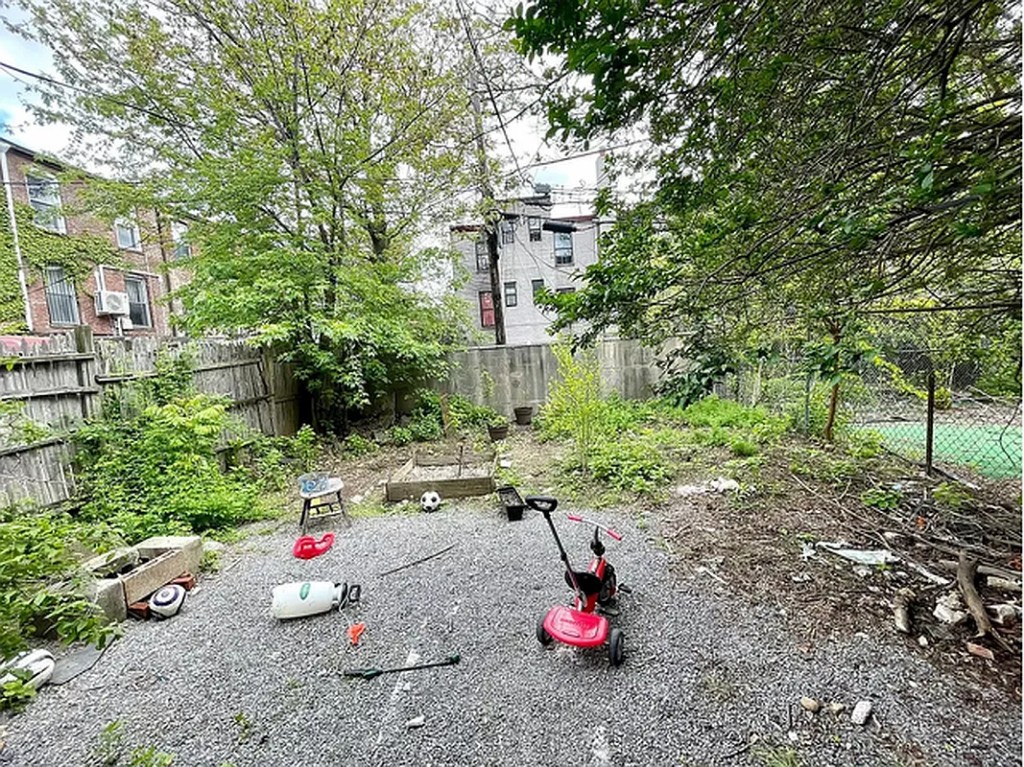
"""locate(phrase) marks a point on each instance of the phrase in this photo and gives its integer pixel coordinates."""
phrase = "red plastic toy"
(580, 625)
(308, 547)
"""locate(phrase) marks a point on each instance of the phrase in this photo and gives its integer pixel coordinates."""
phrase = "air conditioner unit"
(112, 302)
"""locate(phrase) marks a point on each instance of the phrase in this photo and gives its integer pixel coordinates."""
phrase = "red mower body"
(580, 625)
(579, 629)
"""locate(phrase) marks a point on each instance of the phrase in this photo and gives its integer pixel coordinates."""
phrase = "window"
(566, 290)
(61, 301)
(179, 235)
(138, 301)
(483, 261)
(44, 197)
(538, 286)
(533, 224)
(511, 294)
(128, 237)
(486, 309)
(563, 248)
(508, 233)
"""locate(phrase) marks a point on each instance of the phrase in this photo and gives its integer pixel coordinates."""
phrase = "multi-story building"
(71, 268)
(535, 251)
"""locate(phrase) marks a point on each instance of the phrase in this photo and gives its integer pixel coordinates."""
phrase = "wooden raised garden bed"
(459, 475)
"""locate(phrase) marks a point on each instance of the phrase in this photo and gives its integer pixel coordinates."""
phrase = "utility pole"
(491, 213)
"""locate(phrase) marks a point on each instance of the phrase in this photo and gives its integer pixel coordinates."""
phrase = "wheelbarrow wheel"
(616, 651)
(542, 633)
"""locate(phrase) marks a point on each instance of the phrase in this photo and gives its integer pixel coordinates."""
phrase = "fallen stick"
(965, 574)
(901, 610)
(999, 572)
(417, 562)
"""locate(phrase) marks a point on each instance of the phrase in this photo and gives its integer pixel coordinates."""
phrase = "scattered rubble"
(950, 609)
(981, 652)
(901, 608)
(810, 704)
(861, 712)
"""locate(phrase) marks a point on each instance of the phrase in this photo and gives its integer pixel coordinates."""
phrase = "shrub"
(34, 554)
(357, 445)
(158, 473)
(400, 435)
(574, 408)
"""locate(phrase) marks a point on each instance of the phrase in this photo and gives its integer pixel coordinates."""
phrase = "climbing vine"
(77, 254)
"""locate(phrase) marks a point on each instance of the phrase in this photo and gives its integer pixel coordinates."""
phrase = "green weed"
(778, 757)
(951, 496)
(881, 498)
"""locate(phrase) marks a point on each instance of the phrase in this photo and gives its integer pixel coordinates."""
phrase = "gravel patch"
(704, 674)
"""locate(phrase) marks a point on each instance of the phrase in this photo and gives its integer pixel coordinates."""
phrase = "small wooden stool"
(328, 497)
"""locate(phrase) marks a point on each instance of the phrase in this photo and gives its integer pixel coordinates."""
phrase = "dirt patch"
(762, 542)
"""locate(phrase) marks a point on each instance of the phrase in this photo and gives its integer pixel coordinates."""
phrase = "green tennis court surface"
(993, 450)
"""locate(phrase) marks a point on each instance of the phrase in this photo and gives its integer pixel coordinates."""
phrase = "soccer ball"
(430, 501)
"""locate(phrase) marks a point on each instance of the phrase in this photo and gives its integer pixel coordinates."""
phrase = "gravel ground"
(704, 674)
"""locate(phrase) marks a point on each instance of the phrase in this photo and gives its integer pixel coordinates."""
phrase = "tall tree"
(307, 143)
(814, 160)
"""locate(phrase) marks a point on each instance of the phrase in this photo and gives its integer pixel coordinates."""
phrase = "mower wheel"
(616, 651)
(542, 633)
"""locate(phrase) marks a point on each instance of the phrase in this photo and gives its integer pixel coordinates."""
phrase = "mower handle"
(545, 504)
(608, 530)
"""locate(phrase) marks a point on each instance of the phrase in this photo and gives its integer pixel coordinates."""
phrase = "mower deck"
(576, 628)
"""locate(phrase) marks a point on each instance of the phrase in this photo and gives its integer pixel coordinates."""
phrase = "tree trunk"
(833, 404)
(496, 296)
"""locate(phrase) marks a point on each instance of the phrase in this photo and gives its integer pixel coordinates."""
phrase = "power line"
(587, 154)
(87, 92)
(490, 91)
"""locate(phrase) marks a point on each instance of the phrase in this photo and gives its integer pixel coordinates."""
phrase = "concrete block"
(112, 562)
(190, 546)
(152, 575)
(108, 595)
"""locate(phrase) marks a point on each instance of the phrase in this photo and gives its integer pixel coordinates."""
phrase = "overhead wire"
(490, 92)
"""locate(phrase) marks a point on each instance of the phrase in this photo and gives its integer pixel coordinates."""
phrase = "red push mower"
(595, 588)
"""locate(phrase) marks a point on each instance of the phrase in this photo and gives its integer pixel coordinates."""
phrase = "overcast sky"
(526, 134)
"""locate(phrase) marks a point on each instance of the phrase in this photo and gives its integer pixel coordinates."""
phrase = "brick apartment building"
(126, 296)
(535, 251)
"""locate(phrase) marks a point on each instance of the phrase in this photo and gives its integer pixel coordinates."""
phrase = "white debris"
(687, 490)
(922, 640)
(418, 721)
(1005, 613)
(949, 609)
(860, 556)
(723, 485)
(505, 463)
(357, 499)
(1002, 584)
(861, 712)
(719, 485)
(806, 550)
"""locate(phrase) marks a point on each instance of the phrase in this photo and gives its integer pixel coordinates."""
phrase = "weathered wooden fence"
(60, 381)
(522, 374)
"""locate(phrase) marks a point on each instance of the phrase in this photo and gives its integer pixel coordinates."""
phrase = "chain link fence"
(937, 417)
